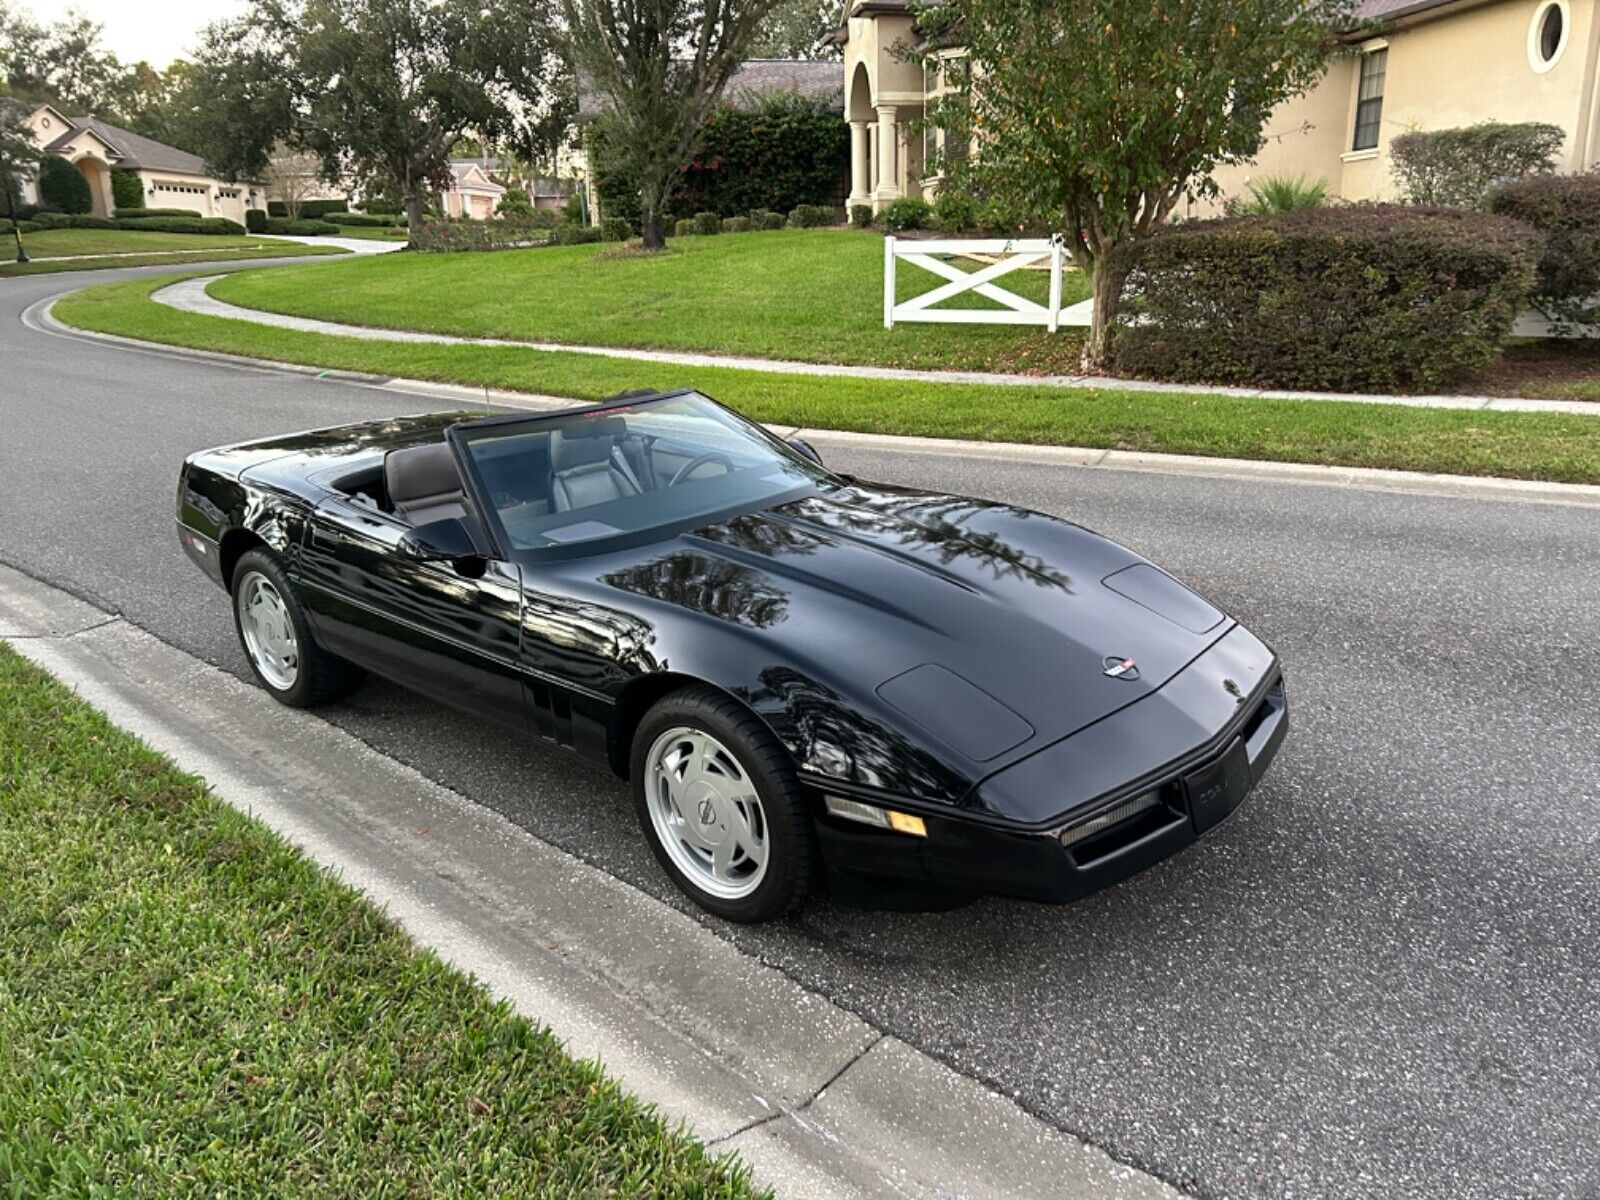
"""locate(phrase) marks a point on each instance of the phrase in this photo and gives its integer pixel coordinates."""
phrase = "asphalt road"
(1381, 978)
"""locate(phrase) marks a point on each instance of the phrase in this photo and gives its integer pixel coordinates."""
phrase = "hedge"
(615, 229)
(60, 220)
(7, 225)
(305, 227)
(1360, 298)
(368, 220)
(906, 213)
(448, 234)
(790, 151)
(815, 216)
(255, 220)
(127, 192)
(1566, 209)
(736, 225)
(576, 235)
(209, 225)
(62, 186)
(706, 223)
(684, 227)
(310, 210)
(135, 213)
(1461, 166)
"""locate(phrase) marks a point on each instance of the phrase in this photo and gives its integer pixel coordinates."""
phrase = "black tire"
(319, 677)
(792, 854)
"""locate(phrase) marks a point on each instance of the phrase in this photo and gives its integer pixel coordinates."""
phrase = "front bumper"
(1196, 757)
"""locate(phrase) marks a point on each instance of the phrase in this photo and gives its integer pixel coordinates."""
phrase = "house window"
(1369, 99)
(1547, 35)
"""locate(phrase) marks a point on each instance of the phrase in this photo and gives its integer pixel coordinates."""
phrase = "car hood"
(981, 630)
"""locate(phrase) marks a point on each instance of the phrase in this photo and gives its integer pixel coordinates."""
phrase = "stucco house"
(471, 193)
(170, 178)
(1415, 64)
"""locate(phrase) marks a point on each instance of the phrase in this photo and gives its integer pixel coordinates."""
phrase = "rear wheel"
(720, 805)
(277, 641)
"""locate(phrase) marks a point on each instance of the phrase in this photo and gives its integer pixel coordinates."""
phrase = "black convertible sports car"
(807, 678)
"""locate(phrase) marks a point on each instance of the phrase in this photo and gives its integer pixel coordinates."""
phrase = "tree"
(514, 203)
(389, 86)
(661, 66)
(796, 29)
(1096, 117)
(293, 176)
(62, 186)
(18, 159)
(61, 64)
(236, 101)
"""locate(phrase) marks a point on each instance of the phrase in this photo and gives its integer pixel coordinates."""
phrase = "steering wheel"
(698, 461)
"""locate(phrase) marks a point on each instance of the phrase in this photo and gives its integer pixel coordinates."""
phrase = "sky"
(156, 31)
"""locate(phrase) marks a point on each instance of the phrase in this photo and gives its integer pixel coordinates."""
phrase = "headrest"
(418, 471)
(584, 442)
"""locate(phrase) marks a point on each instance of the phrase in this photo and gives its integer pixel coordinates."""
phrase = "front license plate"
(1216, 790)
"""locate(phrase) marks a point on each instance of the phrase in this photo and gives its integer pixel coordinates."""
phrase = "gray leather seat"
(423, 484)
(584, 472)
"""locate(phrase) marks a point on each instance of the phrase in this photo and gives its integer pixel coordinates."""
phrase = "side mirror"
(439, 541)
(806, 448)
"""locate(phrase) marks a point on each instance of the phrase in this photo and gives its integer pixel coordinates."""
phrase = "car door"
(451, 633)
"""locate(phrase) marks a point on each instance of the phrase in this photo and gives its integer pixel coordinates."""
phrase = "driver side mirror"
(439, 541)
(805, 448)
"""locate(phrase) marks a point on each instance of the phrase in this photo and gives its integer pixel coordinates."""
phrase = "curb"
(39, 316)
(818, 1103)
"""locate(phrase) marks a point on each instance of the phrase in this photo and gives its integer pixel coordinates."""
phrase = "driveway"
(1381, 978)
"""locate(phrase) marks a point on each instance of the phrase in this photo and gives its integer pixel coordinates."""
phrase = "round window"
(1547, 36)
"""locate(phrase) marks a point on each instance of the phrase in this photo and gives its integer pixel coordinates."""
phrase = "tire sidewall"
(263, 563)
(784, 881)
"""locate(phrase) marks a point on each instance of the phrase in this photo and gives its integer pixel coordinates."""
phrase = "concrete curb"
(39, 317)
(818, 1102)
(192, 296)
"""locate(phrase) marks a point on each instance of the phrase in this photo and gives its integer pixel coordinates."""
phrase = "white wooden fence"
(1010, 253)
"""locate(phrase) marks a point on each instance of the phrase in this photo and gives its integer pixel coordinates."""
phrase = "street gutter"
(818, 1102)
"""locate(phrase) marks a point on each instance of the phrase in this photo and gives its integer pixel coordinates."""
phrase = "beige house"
(471, 192)
(1427, 64)
(170, 178)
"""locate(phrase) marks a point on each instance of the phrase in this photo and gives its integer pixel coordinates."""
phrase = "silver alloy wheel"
(707, 812)
(268, 631)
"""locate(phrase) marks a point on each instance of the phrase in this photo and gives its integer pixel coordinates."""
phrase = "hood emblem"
(1121, 668)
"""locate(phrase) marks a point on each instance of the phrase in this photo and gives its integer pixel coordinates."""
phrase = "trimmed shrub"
(255, 220)
(706, 223)
(773, 220)
(1362, 298)
(301, 228)
(127, 192)
(577, 235)
(814, 216)
(211, 225)
(55, 220)
(736, 225)
(135, 213)
(684, 227)
(615, 229)
(448, 234)
(1460, 167)
(1566, 209)
(62, 186)
(367, 220)
(955, 211)
(861, 215)
(791, 150)
(906, 213)
(514, 203)
(310, 210)
(7, 225)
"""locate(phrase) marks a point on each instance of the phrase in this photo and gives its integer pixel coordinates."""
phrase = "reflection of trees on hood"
(936, 524)
(764, 535)
(725, 590)
(836, 739)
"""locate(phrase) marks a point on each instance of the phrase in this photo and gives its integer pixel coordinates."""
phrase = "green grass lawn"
(136, 248)
(1460, 441)
(374, 233)
(189, 1007)
(814, 295)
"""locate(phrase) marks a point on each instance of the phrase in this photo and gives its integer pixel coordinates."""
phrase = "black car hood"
(984, 631)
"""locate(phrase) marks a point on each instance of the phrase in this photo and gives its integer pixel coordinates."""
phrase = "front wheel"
(277, 641)
(720, 805)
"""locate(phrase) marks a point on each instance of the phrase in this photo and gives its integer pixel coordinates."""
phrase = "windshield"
(627, 469)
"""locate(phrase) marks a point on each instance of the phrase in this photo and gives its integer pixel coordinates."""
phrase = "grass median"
(94, 249)
(189, 1007)
(1456, 441)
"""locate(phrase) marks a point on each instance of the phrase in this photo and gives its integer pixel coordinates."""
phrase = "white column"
(860, 164)
(872, 159)
(888, 144)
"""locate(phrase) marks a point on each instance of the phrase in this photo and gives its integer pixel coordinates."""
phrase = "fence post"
(888, 282)
(1055, 284)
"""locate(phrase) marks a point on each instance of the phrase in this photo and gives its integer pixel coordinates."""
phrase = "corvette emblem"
(707, 812)
(1121, 668)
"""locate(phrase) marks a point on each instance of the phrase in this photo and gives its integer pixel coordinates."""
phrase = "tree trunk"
(416, 206)
(1107, 283)
(650, 224)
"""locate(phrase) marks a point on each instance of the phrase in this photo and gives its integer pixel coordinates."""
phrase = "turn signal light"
(871, 814)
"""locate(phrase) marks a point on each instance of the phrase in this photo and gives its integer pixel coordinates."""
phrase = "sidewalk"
(190, 296)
